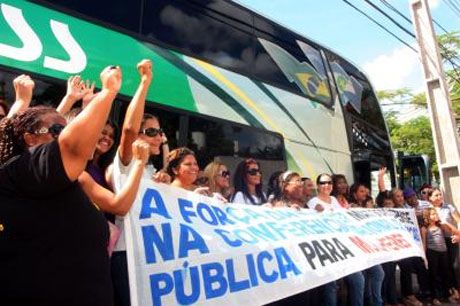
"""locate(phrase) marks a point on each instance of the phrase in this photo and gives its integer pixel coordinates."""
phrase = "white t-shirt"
(120, 175)
(240, 198)
(334, 205)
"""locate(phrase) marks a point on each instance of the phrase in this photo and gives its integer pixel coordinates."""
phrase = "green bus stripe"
(208, 84)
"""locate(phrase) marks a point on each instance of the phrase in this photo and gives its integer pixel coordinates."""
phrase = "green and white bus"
(229, 83)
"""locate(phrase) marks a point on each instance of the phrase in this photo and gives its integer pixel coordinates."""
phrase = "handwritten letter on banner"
(184, 248)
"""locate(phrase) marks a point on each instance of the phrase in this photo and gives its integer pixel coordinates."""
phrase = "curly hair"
(175, 157)
(426, 216)
(13, 129)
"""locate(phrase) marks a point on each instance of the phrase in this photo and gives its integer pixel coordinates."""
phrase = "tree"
(415, 136)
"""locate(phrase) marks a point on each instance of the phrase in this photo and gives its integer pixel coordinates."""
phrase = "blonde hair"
(211, 171)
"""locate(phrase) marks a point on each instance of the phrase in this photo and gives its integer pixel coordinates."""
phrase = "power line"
(381, 26)
(391, 18)
(453, 64)
(452, 7)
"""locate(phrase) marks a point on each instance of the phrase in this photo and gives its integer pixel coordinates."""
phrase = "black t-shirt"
(53, 240)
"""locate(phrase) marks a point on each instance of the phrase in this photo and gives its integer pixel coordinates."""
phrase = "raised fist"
(141, 150)
(111, 78)
(23, 87)
(145, 68)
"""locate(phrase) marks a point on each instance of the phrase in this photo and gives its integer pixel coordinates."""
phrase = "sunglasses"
(254, 171)
(325, 183)
(225, 174)
(152, 132)
(54, 130)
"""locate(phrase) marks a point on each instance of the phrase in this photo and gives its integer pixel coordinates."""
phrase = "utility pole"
(443, 125)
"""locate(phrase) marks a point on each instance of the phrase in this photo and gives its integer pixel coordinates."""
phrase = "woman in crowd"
(183, 168)
(308, 190)
(137, 127)
(424, 190)
(340, 189)
(273, 188)
(447, 214)
(441, 276)
(324, 201)
(218, 179)
(291, 191)
(358, 195)
(248, 183)
(42, 252)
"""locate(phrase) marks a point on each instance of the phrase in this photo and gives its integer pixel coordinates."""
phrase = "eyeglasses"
(152, 132)
(225, 174)
(254, 171)
(54, 130)
(325, 183)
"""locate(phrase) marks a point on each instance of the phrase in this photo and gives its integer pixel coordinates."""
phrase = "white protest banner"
(184, 248)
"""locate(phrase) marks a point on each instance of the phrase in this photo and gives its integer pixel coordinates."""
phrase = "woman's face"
(50, 127)
(424, 194)
(222, 177)
(325, 185)
(388, 203)
(434, 216)
(342, 186)
(361, 194)
(105, 142)
(293, 189)
(436, 198)
(187, 170)
(153, 141)
(253, 174)
(398, 198)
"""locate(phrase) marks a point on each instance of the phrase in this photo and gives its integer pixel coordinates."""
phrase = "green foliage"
(413, 137)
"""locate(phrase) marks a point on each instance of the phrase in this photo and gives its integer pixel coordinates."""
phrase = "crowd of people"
(68, 176)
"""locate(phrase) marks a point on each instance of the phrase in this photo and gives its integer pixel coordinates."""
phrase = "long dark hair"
(335, 181)
(273, 188)
(13, 129)
(107, 158)
(239, 182)
(353, 189)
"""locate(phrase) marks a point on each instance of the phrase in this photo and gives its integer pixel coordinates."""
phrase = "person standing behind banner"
(248, 184)
(406, 265)
(340, 189)
(291, 191)
(441, 278)
(291, 196)
(53, 240)
(146, 127)
(448, 214)
(308, 190)
(183, 169)
(324, 201)
(218, 180)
